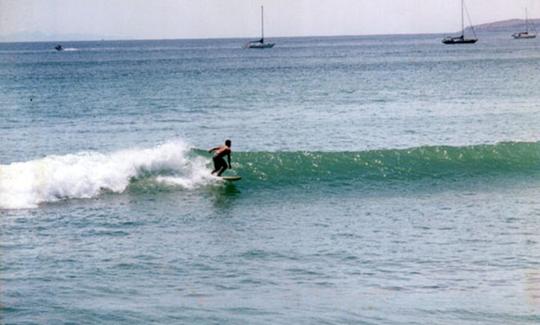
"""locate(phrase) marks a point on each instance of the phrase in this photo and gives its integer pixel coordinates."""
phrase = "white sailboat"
(461, 39)
(259, 44)
(526, 34)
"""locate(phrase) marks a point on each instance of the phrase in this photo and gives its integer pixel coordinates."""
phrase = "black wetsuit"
(219, 163)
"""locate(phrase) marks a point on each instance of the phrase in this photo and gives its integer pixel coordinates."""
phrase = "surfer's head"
(228, 143)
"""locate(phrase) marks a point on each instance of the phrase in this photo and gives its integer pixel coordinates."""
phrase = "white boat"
(526, 34)
(461, 39)
(259, 44)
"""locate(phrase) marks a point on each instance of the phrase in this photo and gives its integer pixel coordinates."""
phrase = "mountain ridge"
(508, 25)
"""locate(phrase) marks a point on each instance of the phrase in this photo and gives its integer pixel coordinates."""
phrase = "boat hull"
(260, 45)
(523, 35)
(459, 40)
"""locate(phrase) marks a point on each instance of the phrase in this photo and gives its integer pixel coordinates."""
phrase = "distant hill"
(511, 25)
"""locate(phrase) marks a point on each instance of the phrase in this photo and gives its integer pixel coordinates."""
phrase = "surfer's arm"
(213, 149)
(229, 160)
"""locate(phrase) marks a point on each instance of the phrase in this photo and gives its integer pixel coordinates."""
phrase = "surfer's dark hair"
(227, 142)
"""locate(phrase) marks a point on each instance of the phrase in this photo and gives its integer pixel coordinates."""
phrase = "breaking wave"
(87, 174)
(176, 165)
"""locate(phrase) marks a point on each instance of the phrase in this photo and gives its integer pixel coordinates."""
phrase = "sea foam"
(87, 174)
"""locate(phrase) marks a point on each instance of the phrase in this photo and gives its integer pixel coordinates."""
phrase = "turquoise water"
(385, 180)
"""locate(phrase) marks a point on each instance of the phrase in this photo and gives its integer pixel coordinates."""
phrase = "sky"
(172, 19)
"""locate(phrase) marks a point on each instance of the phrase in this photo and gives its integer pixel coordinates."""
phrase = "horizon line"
(106, 39)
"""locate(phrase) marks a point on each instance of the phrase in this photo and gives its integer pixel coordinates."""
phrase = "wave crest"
(428, 162)
(87, 174)
(175, 165)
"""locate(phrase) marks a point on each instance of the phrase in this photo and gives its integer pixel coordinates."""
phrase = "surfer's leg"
(222, 166)
(222, 170)
(217, 166)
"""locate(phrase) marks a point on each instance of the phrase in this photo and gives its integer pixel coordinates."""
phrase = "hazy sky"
(143, 19)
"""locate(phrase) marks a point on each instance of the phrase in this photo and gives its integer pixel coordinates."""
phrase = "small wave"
(428, 162)
(87, 174)
(70, 49)
(174, 165)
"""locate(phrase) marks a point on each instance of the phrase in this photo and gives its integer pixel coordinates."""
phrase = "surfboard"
(231, 178)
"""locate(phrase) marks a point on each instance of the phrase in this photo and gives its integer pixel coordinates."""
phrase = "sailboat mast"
(262, 22)
(462, 19)
(526, 21)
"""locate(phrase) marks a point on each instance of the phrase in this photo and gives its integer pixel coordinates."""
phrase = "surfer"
(220, 152)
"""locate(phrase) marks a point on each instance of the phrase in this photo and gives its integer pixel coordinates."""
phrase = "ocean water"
(386, 180)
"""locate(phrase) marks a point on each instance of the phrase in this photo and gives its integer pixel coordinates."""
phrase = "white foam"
(87, 174)
(196, 175)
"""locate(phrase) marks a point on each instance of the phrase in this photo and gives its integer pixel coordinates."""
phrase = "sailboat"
(259, 44)
(461, 39)
(525, 34)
